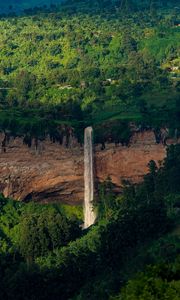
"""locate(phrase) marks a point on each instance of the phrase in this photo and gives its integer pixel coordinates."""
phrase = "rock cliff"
(51, 172)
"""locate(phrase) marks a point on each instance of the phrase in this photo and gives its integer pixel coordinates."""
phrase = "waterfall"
(89, 214)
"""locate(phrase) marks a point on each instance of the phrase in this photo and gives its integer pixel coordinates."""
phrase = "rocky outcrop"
(129, 163)
(50, 172)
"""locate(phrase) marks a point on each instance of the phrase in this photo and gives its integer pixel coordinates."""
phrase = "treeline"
(135, 229)
(34, 5)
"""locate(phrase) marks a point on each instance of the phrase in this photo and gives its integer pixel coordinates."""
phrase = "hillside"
(58, 71)
(134, 244)
(114, 67)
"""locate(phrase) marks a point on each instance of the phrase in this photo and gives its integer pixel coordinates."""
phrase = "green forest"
(130, 253)
(106, 64)
(103, 65)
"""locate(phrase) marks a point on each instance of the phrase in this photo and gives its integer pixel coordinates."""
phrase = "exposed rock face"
(129, 163)
(52, 172)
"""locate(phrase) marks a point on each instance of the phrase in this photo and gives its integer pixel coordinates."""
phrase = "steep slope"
(50, 172)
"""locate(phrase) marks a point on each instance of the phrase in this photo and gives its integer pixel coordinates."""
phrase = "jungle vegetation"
(106, 64)
(132, 252)
(111, 64)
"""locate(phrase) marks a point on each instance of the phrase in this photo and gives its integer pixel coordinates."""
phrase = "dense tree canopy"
(76, 68)
(114, 65)
(134, 244)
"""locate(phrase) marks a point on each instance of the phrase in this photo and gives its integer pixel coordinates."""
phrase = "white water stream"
(89, 214)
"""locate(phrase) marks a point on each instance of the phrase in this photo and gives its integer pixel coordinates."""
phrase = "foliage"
(136, 229)
(105, 70)
(44, 232)
(113, 66)
(158, 282)
(34, 230)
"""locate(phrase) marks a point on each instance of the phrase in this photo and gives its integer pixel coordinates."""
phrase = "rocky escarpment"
(50, 172)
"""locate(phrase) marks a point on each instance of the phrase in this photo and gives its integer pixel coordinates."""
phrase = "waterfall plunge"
(89, 214)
